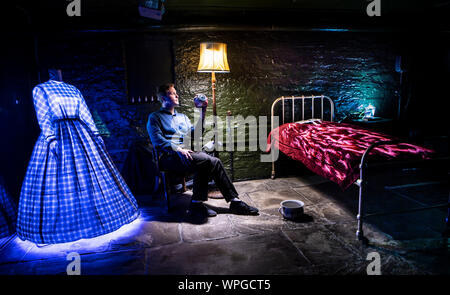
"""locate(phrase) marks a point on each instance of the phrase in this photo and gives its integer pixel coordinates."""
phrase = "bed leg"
(272, 176)
(359, 217)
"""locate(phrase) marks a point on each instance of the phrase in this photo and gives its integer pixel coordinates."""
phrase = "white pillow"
(313, 121)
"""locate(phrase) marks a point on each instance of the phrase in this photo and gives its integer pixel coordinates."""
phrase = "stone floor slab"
(150, 234)
(332, 213)
(319, 246)
(255, 254)
(248, 225)
(250, 186)
(215, 228)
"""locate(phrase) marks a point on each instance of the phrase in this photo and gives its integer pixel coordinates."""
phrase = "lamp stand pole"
(213, 86)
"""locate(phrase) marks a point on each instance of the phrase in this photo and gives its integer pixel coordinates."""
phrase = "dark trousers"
(204, 168)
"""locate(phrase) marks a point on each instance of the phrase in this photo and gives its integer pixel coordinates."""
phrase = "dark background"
(275, 48)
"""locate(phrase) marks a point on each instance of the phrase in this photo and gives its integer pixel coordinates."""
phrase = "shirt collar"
(167, 112)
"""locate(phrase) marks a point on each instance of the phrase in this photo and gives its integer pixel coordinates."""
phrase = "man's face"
(171, 97)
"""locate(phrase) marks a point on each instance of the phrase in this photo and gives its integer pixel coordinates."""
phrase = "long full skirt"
(8, 212)
(77, 193)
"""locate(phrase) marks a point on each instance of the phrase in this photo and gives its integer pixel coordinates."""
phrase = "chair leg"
(184, 184)
(166, 188)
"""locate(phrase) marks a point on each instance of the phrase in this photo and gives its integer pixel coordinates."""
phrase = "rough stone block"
(243, 255)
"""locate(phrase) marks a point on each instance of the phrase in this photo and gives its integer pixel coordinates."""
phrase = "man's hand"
(185, 152)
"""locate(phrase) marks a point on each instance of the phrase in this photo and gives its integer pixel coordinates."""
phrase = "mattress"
(334, 150)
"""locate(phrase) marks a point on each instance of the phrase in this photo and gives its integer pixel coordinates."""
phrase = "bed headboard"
(313, 99)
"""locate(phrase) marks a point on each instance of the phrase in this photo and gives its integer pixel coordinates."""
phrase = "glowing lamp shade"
(213, 58)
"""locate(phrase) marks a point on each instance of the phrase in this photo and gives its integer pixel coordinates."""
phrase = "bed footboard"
(362, 183)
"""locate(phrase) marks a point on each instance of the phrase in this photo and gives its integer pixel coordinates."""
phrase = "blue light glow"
(331, 30)
(127, 234)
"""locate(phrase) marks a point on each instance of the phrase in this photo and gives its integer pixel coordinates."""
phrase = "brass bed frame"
(361, 182)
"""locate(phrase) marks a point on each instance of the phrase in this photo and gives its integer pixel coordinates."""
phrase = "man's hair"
(162, 90)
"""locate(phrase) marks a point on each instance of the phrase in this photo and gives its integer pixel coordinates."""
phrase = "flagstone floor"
(321, 243)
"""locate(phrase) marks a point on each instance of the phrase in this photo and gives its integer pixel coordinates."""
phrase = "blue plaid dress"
(8, 212)
(72, 189)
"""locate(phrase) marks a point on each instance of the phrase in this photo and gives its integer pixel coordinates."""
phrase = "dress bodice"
(63, 100)
(56, 100)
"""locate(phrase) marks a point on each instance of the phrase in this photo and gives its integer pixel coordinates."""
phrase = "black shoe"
(201, 209)
(241, 208)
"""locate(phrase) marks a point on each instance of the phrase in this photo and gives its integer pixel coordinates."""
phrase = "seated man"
(167, 129)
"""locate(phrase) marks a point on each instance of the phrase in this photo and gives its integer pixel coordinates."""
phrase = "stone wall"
(353, 69)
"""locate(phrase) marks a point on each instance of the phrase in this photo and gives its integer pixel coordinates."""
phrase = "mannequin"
(72, 189)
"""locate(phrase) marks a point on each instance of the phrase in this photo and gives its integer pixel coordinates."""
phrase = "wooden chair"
(165, 179)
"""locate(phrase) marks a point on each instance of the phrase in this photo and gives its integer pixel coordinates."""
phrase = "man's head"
(167, 95)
